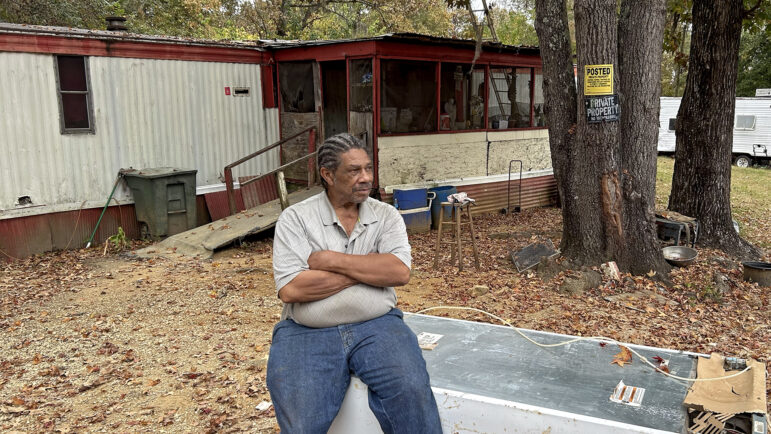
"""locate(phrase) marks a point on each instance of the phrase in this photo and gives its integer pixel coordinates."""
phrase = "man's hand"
(375, 269)
(323, 260)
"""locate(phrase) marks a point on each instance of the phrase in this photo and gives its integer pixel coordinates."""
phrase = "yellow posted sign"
(598, 79)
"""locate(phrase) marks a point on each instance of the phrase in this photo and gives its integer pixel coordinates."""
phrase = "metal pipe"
(120, 175)
(507, 210)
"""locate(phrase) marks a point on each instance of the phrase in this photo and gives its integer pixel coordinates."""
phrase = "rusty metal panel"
(258, 192)
(217, 204)
(539, 191)
(147, 113)
(25, 236)
(491, 197)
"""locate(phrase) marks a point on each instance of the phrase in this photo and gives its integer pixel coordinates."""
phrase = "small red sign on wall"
(227, 90)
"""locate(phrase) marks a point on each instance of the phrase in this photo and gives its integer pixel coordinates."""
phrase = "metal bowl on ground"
(679, 256)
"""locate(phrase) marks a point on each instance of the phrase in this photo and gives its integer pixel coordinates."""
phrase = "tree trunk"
(559, 88)
(605, 171)
(701, 185)
(640, 37)
(599, 189)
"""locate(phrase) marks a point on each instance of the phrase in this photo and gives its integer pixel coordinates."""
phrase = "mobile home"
(79, 105)
(752, 129)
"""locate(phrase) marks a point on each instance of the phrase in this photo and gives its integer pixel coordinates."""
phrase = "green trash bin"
(164, 200)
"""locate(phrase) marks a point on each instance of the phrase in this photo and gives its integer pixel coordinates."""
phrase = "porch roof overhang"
(403, 46)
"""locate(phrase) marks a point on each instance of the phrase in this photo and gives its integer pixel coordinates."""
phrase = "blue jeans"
(309, 370)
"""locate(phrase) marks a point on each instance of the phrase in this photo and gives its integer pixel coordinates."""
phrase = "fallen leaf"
(623, 356)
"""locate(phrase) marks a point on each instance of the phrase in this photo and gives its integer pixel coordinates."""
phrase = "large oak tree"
(605, 171)
(701, 185)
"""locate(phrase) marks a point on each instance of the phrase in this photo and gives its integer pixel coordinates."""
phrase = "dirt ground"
(110, 343)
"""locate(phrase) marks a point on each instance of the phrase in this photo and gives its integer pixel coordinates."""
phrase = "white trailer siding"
(744, 139)
(147, 113)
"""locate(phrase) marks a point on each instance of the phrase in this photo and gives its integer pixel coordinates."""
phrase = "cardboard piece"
(745, 393)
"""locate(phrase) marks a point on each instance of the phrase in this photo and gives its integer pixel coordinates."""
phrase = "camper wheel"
(743, 161)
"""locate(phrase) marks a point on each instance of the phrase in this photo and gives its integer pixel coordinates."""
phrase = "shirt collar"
(329, 216)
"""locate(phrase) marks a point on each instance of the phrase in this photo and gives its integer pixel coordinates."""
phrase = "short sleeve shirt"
(312, 225)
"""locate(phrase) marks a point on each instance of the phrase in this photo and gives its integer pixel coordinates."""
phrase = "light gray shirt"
(312, 225)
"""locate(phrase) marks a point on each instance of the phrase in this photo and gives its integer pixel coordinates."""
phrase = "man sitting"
(336, 258)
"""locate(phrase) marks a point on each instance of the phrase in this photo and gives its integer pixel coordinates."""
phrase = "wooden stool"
(457, 221)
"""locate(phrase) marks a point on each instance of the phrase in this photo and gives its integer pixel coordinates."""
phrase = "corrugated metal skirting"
(25, 236)
(491, 197)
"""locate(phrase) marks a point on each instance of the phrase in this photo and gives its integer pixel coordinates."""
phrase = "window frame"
(486, 67)
(88, 92)
(752, 128)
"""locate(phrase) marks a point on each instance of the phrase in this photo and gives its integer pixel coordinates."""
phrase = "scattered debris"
(578, 285)
(623, 356)
(628, 395)
(610, 270)
(532, 254)
(428, 341)
(264, 405)
(479, 290)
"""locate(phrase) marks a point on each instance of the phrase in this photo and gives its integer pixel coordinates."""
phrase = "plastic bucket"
(410, 199)
(441, 196)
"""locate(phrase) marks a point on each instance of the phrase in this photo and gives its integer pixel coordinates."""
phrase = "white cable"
(580, 338)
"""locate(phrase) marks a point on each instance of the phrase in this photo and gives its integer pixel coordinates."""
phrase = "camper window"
(672, 124)
(745, 122)
(408, 96)
(73, 88)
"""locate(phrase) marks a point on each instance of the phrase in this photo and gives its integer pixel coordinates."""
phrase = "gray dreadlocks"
(330, 151)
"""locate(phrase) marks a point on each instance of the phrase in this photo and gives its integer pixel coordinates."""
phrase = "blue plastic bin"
(418, 220)
(410, 199)
(441, 196)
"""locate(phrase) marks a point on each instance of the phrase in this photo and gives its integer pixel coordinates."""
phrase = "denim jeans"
(309, 370)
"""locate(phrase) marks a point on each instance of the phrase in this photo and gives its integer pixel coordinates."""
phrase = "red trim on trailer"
(321, 53)
(531, 85)
(266, 74)
(401, 50)
(131, 49)
(487, 95)
(438, 79)
(375, 117)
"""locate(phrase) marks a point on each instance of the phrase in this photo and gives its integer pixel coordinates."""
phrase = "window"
(74, 94)
(509, 102)
(745, 122)
(408, 96)
(672, 124)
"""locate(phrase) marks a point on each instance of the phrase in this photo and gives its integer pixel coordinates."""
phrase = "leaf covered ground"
(95, 342)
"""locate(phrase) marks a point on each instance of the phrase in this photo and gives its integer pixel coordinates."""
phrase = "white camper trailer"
(752, 129)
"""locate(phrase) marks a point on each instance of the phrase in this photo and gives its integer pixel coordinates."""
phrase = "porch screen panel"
(539, 117)
(509, 102)
(408, 96)
(360, 109)
(462, 97)
(297, 90)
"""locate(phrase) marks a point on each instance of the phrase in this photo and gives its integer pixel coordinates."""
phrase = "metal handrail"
(281, 186)
(507, 210)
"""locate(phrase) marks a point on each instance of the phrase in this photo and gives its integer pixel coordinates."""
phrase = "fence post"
(283, 196)
(231, 191)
